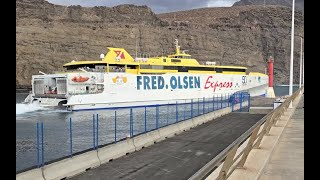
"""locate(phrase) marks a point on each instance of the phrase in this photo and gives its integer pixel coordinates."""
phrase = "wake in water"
(24, 108)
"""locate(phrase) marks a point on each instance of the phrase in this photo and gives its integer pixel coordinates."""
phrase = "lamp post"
(303, 68)
(300, 64)
(301, 60)
(291, 56)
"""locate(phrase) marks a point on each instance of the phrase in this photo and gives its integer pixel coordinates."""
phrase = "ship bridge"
(119, 60)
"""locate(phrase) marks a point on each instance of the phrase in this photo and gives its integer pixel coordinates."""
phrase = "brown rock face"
(299, 4)
(50, 35)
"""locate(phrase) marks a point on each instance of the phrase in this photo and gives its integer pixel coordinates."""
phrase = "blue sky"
(158, 6)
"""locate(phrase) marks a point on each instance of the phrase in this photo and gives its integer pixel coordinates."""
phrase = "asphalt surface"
(178, 157)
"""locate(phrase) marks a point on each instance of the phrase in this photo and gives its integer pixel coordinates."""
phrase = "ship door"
(87, 89)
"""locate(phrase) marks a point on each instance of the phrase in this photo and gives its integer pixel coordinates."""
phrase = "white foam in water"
(24, 108)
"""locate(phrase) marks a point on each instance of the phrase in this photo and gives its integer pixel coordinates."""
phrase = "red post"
(270, 70)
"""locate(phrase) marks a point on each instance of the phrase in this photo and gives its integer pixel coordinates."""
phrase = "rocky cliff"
(48, 35)
(299, 4)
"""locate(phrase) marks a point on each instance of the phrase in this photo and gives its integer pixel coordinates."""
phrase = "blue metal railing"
(40, 164)
(143, 119)
(70, 137)
(115, 126)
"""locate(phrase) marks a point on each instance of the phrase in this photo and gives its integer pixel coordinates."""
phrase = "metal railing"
(115, 125)
(254, 136)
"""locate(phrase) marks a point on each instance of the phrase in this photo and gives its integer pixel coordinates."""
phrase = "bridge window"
(219, 70)
(150, 67)
(87, 67)
(131, 66)
(234, 70)
(145, 66)
(171, 67)
(175, 60)
(201, 68)
(182, 69)
(116, 68)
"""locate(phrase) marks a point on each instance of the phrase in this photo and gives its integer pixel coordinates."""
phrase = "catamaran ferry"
(119, 80)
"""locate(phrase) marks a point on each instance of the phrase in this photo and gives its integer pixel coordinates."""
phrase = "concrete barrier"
(225, 111)
(185, 125)
(34, 174)
(145, 140)
(169, 131)
(209, 116)
(71, 166)
(198, 120)
(116, 150)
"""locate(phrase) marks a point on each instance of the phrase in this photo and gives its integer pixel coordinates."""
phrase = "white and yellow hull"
(118, 90)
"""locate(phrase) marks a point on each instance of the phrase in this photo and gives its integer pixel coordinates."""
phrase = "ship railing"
(141, 59)
(62, 96)
(77, 71)
(236, 154)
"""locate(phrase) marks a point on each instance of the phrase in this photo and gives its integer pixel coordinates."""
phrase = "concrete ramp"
(178, 157)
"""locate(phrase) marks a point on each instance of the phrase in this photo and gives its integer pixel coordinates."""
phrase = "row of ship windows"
(186, 68)
(121, 68)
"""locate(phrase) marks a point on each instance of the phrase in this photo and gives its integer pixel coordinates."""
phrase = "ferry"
(118, 80)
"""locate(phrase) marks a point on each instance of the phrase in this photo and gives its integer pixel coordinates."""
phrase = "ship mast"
(177, 47)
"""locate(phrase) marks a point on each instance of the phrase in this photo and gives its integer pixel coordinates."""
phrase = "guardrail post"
(198, 106)
(191, 108)
(38, 148)
(42, 149)
(168, 114)
(270, 123)
(157, 117)
(131, 123)
(213, 103)
(262, 133)
(93, 132)
(227, 163)
(97, 143)
(235, 98)
(70, 138)
(248, 102)
(241, 102)
(203, 105)
(145, 119)
(115, 126)
(176, 111)
(290, 105)
(221, 101)
(226, 100)
(249, 146)
(208, 105)
(184, 107)
(232, 102)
